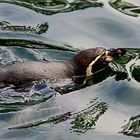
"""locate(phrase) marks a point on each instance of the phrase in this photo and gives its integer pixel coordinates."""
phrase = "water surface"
(107, 107)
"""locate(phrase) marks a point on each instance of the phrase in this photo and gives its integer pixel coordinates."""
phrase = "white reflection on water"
(101, 28)
(19, 15)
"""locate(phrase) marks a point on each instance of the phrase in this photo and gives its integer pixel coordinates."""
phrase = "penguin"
(84, 64)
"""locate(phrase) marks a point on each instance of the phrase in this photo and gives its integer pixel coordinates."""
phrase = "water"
(55, 30)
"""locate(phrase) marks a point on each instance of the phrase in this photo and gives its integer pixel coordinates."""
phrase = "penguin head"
(92, 60)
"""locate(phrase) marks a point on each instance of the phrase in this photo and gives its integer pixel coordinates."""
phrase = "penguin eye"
(102, 58)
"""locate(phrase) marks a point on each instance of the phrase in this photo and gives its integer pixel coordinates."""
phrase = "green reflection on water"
(136, 73)
(54, 6)
(125, 7)
(132, 128)
(123, 60)
(39, 29)
(35, 44)
(86, 119)
(82, 121)
(52, 120)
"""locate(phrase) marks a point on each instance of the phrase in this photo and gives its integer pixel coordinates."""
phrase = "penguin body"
(92, 60)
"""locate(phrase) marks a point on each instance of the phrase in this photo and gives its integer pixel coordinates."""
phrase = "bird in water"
(84, 64)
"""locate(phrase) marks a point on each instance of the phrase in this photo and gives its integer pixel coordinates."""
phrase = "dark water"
(107, 107)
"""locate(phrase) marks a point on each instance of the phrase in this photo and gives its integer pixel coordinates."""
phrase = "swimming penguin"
(84, 64)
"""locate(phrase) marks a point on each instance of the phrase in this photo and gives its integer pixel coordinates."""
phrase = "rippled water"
(107, 106)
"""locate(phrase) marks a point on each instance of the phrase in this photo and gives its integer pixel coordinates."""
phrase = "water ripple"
(132, 128)
(55, 6)
(31, 41)
(25, 29)
(39, 29)
(82, 121)
(125, 7)
(30, 94)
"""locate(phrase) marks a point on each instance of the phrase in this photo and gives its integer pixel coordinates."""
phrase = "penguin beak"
(108, 58)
